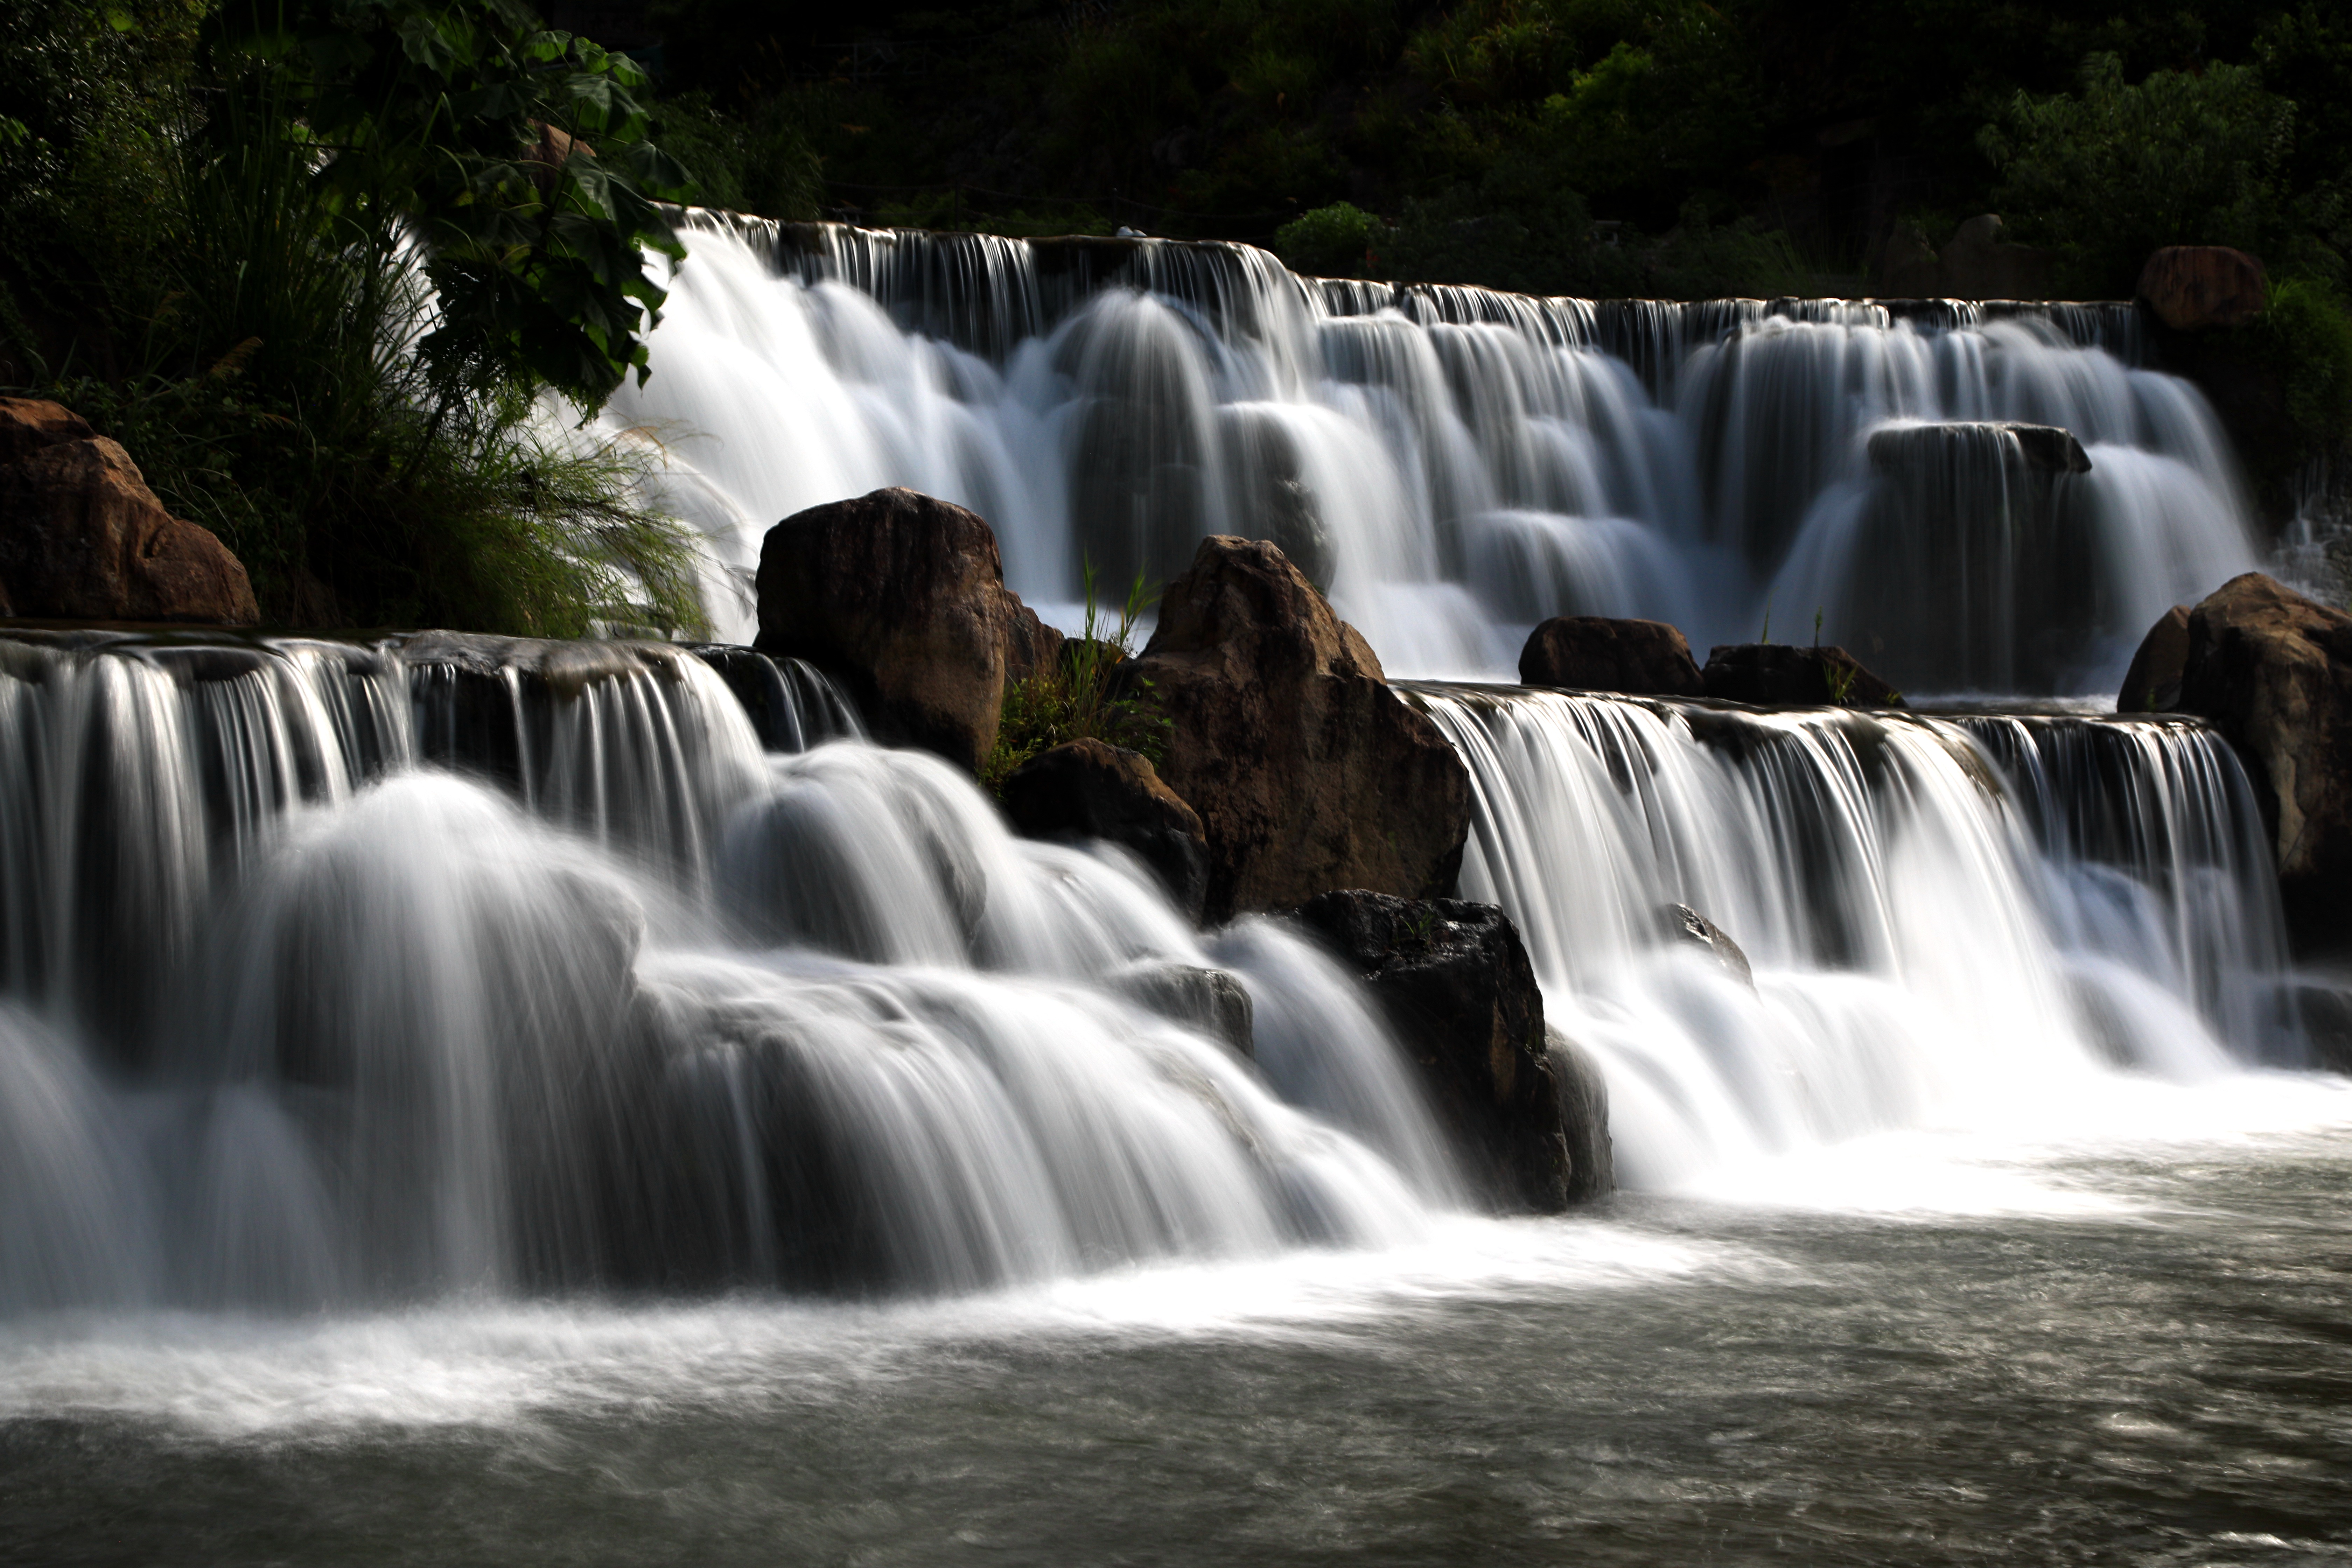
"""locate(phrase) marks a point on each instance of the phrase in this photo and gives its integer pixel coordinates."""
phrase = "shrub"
(1336, 241)
(1085, 697)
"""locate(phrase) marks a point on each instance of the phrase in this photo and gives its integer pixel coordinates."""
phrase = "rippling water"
(2068, 1354)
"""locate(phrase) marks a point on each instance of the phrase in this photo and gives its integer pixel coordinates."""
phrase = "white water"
(1455, 464)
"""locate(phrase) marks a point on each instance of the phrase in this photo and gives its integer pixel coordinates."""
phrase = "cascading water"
(1455, 464)
(1945, 917)
(342, 974)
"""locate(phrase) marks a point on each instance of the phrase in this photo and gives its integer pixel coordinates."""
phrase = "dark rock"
(1785, 675)
(2324, 1007)
(1091, 789)
(83, 538)
(1684, 924)
(1308, 772)
(2193, 287)
(901, 598)
(1454, 982)
(1595, 653)
(1208, 1000)
(1976, 263)
(2152, 684)
(1583, 1119)
(2272, 671)
(2047, 447)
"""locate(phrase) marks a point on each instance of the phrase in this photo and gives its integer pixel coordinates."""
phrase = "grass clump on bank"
(1084, 696)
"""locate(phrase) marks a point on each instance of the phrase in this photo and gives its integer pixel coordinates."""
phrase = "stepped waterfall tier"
(1456, 465)
(480, 1098)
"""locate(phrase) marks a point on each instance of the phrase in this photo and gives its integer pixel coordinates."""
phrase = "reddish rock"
(83, 538)
(1092, 789)
(2191, 287)
(1308, 772)
(1594, 653)
(902, 597)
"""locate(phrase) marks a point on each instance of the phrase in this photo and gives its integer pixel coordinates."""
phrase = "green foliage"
(1335, 241)
(2111, 173)
(759, 163)
(1085, 696)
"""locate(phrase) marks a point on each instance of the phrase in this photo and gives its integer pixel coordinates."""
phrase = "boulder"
(2272, 671)
(1092, 789)
(1307, 770)
(2193, 287)
(2047, 449)
(1786, 674)
(901, 598)
(1583, 1119)
(1684, 924)
(83, 538)
(1454, 981)
(1976, 263)
(1595, 653)
(1208, 1000)
(2152, 684)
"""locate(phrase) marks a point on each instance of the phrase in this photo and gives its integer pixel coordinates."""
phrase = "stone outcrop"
(1976, 263)
(1308, 772)
(2152, 684)
(2193, 287)
(1583, 1119)
(901, 598)
(83, 538)
(1208, 1000)
(1595, 653)
(1684, 924)
(1786, 674)
(1092, 789)
(2272, 671)
(1454, 982)
(2047, 449)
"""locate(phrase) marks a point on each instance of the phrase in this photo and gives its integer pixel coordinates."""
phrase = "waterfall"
(1944, 916)
(1453, 463)
(349, 974)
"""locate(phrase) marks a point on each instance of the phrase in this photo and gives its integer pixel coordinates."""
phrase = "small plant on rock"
(1083, 696)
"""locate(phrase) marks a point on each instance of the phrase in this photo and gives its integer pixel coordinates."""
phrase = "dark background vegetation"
(1665, 148)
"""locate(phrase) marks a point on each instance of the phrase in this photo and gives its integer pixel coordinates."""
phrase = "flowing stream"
(465, 1099)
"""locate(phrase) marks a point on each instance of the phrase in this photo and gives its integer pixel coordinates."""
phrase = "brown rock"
(1308, 772)
(83, 538)
(1682, 923)
(902, 597)
(1976, 263)
(2272, 671)
(1594, 653)
(2152, 684)
(1786, 674)
(2190, 286)
(1092, 789)
(1454, 982)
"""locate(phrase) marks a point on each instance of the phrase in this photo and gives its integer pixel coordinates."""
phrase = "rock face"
(2272, 671)
(1308, 772)
(2152, 684)
(1583, 1119)
(2191, 287)
(902, 597)
(1454, 982)
(1976, 263)
(2047, 447)
(1594, 653)
(1684, 924)
(83, 538)
(1209, 1000)
(1091, 789)
(1783, 675)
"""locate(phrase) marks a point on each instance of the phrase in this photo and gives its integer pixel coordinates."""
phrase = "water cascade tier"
(361, 975)
(1944, 917)
(1454, 464)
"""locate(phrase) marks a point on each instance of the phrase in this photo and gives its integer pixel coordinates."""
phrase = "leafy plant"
(1335, 241)
(1084, 696)
(1839, 675)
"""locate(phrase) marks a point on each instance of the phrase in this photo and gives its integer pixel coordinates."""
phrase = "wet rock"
(83, 538)
(2193, 287)
(1208, 1000)
(1308, 772)
(2272, 671)
(2152, 684)
(901, 598)
(2047, 447)
(1595, 653)
(1091, 789)
(1682, 923)
(1454, 982)
(1583, 1119)
(1784, 675)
